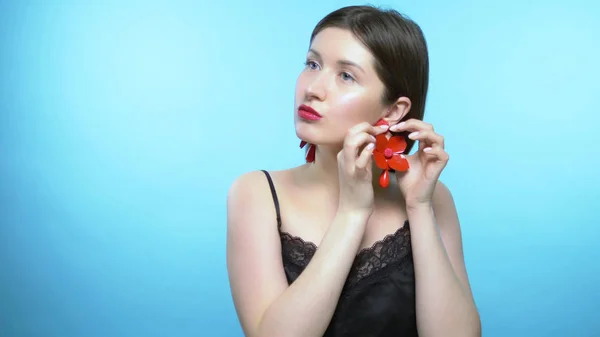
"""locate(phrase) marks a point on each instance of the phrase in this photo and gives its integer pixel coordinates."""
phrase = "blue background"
(123, 124)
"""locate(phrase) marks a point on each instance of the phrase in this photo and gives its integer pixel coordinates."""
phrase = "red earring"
(310, 154)
(382, 122)
(388, 155)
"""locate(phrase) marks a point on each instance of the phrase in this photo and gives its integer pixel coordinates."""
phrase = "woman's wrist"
(354, 215)
(421, 213)
(418, 207)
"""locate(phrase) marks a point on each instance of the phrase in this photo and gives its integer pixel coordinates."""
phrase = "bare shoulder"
(251, 190)
(442, 195)
(444, 206)
(446, 216)
(250, 195)
(250, 203)
(246, 181)
(254, 260)
(448, 223)
(247, 184)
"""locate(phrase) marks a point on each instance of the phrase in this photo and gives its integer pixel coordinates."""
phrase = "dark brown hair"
(399, 48)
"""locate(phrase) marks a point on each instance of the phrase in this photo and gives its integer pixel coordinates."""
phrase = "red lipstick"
(308, 113)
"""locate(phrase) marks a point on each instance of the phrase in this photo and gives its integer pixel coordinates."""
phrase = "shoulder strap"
(275, 199)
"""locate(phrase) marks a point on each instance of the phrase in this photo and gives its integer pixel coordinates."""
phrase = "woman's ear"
(398, 110)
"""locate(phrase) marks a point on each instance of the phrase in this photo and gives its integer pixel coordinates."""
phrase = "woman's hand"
(355, 168)
(426, 164)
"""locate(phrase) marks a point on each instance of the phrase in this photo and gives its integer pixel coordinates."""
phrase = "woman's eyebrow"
(339, 62)
(350, 63)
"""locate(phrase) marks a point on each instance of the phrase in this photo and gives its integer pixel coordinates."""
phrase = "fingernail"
(370, 146)
(427, 149)
(397, 126)
(413, 135)
(383, 127)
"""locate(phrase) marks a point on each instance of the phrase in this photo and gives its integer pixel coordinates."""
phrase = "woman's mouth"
(308, 113)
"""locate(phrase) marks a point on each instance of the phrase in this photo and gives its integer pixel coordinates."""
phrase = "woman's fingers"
(365, 158)
(428, 138)
(420, 131)
(411, 125)
(357, 137)
(366, 127)
(436, 153)
(352, 145)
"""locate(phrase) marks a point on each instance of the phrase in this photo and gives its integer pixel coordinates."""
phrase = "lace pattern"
(391, 250)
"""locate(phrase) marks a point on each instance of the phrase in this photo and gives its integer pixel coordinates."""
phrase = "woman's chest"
(389, 252)
(310, 220)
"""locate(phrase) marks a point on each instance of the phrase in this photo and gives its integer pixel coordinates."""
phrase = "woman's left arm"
(445, 304)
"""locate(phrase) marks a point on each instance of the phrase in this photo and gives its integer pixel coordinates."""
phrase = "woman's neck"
(324, 171)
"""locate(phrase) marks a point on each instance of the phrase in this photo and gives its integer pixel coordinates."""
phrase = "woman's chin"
(305, 133)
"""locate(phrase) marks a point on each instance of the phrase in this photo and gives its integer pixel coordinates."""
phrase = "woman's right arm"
(265, 304)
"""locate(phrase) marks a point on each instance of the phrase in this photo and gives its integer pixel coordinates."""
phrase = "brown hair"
(399, 48)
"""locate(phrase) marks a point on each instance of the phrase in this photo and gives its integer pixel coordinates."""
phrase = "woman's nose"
(318, 87)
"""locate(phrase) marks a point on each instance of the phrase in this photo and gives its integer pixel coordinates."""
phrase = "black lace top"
(378, 298)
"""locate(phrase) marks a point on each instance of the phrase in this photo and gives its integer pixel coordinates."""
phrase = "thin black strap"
(275, 199)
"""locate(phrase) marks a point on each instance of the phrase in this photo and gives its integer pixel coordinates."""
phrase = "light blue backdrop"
(123, 124)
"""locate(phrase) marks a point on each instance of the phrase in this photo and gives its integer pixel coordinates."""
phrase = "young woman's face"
(340, 83)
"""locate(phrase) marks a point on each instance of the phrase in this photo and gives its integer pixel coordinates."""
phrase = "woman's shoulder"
(258, 178)
(246, 185)
(442, 197)
(255, 184)
(252, 200)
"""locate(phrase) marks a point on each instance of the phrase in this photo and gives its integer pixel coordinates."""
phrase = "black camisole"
(378, 298)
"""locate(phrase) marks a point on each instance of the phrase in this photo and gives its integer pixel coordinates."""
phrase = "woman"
(373, 274)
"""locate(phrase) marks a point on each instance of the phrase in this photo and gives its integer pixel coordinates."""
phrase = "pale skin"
(336, 203)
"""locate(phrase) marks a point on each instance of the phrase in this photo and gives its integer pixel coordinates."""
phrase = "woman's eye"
(347, 77)
(312, 65)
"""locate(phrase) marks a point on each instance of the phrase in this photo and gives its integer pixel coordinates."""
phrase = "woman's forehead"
(335, 44)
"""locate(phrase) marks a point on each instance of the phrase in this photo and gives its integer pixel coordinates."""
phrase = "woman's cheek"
(350, 106)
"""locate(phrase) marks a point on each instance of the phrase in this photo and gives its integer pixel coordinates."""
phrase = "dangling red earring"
(384, 178)
(388, 155)
(310, 154)
(382, 122)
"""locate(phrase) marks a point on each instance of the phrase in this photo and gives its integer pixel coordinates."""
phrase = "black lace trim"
(391, 250)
